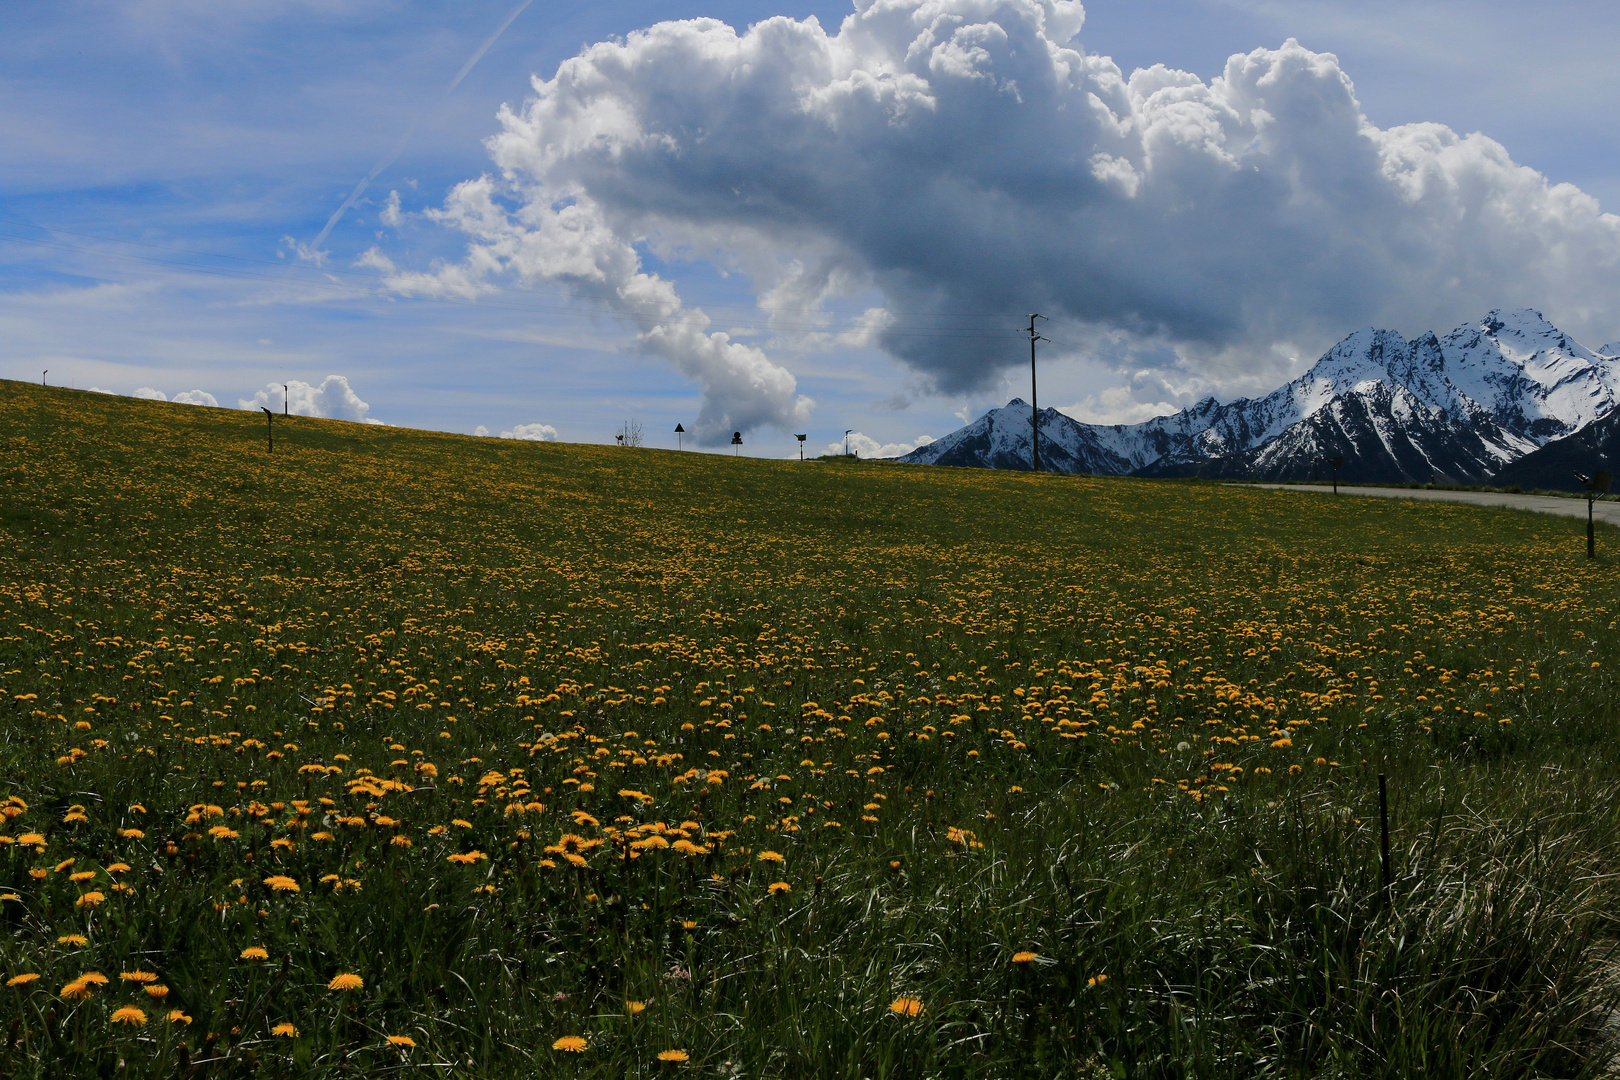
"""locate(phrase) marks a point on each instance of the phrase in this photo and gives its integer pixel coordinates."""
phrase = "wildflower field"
(398, 753)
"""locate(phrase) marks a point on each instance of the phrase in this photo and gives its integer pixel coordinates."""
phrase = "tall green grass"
(1201, 892)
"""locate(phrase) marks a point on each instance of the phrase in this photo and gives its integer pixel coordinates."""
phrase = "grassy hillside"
(400, 752)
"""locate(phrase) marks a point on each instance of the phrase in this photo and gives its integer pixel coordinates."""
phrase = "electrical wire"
(371, 286)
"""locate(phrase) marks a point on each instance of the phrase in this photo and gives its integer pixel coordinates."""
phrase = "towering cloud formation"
(969, 155)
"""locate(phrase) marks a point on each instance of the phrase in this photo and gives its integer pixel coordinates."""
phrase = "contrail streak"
(484, 48)
(399, 147)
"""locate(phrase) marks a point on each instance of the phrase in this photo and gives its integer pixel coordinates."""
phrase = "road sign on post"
(736, 440)
(679, 431)
(1334, 463)
(1596, 485)
(801, 439)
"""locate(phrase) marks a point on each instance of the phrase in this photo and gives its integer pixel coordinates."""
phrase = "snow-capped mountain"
(1593, 449)
(1456, 408)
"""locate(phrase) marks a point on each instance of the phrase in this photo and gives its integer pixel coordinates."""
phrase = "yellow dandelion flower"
(573, 1044)
(282, 883)
(777, 888)
(284, 1031)
(22, 980)
(130, 1015)
(254, 952)
(94, 978)
(1025, 957)
(634, 1007)
(177, 1017)
(346, 981)
(674, 1055)
(90, 899)
(906, 1005)
(73, 939)
(156, 991)
(771, 856)
(137, 976)
(400, 1040)
(77, 990)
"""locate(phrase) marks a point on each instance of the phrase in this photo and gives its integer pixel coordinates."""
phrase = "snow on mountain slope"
(1459, 407)
(1535, 379)
(1000, 439)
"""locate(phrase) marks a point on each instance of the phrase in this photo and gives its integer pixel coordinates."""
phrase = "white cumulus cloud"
(957, 156)
(333, 398)
(148, 394)
(196, 397)
(865, 446)
(533, 432)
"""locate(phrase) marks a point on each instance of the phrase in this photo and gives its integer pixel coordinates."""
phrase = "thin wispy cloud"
(404, 140)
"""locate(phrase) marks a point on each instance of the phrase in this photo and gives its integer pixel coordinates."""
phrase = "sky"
(547, 219)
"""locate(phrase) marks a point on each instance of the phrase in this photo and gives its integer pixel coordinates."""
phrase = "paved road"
(1545, 504)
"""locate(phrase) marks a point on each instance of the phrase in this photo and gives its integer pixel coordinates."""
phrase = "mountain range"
(1457, 409)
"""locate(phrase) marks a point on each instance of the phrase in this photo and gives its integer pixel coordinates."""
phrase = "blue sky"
(166, 158)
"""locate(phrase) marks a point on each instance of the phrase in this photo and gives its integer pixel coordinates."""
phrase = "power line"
(372, 286)
(375, 292)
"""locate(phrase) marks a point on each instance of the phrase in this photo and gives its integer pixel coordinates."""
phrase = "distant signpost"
(679, 431)
(1596, 485)
(736, 440)
(801, 439)
(1334, 463)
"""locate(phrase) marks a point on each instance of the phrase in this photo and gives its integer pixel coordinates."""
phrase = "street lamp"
(285, 394)
(42, 375)
(1596, 485)
(801, 439)
(847, 432)
(269, 427)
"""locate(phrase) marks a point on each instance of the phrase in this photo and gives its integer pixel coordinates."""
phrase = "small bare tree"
(630, 434)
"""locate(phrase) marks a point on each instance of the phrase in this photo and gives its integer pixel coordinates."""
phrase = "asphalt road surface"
(1544, 504)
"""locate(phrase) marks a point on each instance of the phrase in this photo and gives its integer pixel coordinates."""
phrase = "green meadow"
(401, 753)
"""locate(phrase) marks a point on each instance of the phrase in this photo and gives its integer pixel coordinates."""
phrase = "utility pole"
(1034, 399)
(284, 396)
(42, 375)
(269, 427)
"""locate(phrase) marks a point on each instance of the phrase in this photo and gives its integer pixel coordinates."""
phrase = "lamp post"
(801, 439)
(847, 433)
(679, 431)
(1596, 485)
(285, 393)
(269, 427)
(42, 375)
